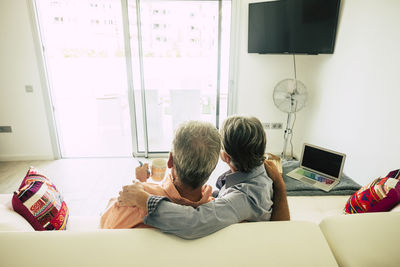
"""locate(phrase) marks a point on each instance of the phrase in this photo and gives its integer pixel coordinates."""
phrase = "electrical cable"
(295, 109)
(294, 66)
(289, 128)
(291, 137)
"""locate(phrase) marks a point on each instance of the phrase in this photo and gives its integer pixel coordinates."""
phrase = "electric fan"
(290, 96)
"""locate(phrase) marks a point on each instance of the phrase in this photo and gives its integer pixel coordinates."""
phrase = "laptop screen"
(322, 161)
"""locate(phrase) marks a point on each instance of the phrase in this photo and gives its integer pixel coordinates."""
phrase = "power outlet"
(266, 125)
(272, 125)
(29, 88)
(276, 125)
(5, 129)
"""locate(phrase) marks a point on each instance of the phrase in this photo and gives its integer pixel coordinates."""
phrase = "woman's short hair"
(195, 152)
(244, 140)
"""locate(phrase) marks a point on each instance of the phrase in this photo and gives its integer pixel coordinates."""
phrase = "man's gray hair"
(195, 152)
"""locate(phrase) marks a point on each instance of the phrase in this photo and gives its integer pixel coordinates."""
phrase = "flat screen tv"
(293, 26)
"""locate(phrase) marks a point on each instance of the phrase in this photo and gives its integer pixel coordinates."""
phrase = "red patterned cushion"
(380, 195)
(40, 203)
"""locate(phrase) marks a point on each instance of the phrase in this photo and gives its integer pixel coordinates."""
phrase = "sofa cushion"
(396, 208)
(315, 208)
(380, 195)
(83, 223)
(12, 221)
(40, 203)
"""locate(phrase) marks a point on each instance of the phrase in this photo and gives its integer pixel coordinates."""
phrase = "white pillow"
(11, 220)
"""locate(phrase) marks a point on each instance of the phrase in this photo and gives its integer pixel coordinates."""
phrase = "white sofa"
(318, 235)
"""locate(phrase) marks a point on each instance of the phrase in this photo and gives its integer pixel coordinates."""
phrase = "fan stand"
(289, 131)
(287, 136)
(289, 124)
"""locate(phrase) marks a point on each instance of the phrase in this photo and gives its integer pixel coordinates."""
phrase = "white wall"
(354, 104)
(24, 112)
(256, 78)
(353, 94)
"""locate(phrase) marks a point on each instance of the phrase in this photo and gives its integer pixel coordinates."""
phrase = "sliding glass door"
(124, 74)
(181, 49)
(83, 47)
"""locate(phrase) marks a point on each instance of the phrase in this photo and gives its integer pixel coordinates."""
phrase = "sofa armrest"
(369, 239)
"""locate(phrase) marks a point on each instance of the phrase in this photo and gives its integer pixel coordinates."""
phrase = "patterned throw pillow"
(40, 203)
(380, 195)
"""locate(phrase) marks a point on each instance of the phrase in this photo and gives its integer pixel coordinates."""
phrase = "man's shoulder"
(154, 189)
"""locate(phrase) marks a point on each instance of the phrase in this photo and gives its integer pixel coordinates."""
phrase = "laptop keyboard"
(314, 176)
(308, 181)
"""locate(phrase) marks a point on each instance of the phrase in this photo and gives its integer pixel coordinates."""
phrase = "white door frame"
(46, 93)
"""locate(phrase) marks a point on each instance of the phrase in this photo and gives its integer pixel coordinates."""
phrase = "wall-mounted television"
(293, 26)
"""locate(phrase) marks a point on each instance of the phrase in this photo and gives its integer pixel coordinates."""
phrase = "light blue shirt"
(244, 197)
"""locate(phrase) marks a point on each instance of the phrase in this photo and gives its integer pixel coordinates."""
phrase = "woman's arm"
(280, 208)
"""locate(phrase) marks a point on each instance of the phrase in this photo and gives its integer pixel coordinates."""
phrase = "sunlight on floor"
(86, 184)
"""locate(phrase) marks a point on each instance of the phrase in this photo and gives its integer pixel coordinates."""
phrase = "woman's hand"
(273, 172)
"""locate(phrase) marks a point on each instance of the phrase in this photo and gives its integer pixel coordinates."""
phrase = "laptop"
(319, 167)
